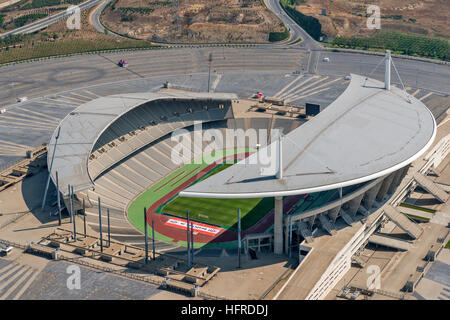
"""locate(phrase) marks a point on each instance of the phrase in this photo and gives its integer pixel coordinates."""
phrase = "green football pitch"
(219, 212)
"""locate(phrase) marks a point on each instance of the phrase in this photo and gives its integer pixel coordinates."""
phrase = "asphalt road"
(296, 31)
(43, 23)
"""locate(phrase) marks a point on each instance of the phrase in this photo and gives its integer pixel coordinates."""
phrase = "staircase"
(431, 187)
(403, 222)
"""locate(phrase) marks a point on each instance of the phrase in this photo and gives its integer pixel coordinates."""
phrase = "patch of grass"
(160, 3)
(167, 184)
(27, 18)
(16, 5)
(142, 10)
(447, 246)
(279, 36)
(74, 2)
(394, 17)
(417, 217)
(2, 18)
(126, 18)
(411, 206)
(220, 212)
(64, 47)
(40, 4)
(399, 42)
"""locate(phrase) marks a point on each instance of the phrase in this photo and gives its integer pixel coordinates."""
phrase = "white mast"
(387, 72)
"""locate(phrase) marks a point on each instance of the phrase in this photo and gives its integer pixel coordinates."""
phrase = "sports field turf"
(220, 212)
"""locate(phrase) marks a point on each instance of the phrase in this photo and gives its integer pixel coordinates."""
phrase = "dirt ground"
(348, 17)
(59, 31)
(203, 21)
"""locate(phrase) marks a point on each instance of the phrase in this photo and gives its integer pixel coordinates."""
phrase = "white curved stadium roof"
(80, 129)
(367, 132)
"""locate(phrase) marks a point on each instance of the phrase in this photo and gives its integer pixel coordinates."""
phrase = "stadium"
(112, 158)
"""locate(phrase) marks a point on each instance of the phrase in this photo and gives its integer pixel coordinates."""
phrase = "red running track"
(224, 235)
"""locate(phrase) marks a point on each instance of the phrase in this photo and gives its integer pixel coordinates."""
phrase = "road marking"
(316, 87)
(73, 98)
(16, 145)
(18, 271)
(84, 98)
(92, 93)
(39, 113)
(288, 85)
(216, 82)
(27, 127)
(306, 95)
(24, 121)
(23, 277)
(5, 268)
(298, 85)
(30, 118)
(305, 87)
(27, 123)
(26, 285)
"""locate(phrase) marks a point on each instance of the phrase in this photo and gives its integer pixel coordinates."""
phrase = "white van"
(326, 59)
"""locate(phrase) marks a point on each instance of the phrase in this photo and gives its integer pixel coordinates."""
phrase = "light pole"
(209, 70)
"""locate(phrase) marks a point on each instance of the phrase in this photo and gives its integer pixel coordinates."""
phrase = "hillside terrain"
(200, 21)
(347, 18)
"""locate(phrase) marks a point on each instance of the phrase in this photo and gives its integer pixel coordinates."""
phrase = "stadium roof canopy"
(81, 128)
(366, 133)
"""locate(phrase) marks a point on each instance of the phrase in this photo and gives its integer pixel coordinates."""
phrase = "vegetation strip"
(411, 206)
(399, 43)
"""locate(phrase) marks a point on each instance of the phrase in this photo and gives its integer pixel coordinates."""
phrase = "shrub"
(23, 20)
(308, 23)
(136, 10)
(40, 4)
(400, 42)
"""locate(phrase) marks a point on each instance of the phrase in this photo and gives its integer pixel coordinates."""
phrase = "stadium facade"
(341, 165)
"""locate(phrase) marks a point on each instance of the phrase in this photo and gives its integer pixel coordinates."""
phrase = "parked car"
(326, 59)
(5, 250)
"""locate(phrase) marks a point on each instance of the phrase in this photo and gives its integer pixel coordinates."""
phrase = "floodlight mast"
(387, 72)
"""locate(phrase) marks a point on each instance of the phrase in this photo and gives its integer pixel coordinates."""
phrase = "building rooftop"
(367, 132)
(80, 129)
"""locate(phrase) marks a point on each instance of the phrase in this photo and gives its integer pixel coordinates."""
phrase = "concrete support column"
(384, 187)
(333, 213)
(354, 204)
(405, 172)
(395, 181)
(286, 238)
(310, 221)
(369, 196)
(278, 226)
